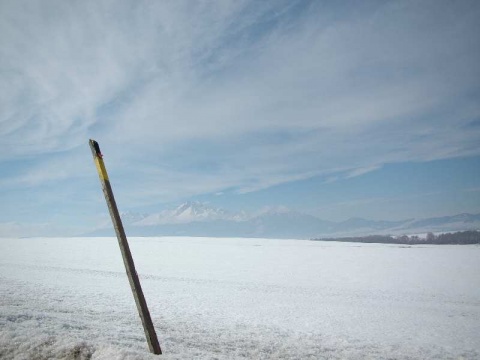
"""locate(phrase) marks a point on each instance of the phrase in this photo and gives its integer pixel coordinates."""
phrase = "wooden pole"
(150, 334)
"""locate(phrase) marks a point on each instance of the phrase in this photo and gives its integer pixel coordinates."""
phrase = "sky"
(334, 108)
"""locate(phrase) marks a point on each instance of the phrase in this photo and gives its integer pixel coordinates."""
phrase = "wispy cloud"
(191, 98)
(474, 189)
(362, 171)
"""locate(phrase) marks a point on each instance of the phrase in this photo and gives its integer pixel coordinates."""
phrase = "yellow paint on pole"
(102, 171)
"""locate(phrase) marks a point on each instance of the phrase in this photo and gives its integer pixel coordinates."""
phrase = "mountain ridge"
(200, 219)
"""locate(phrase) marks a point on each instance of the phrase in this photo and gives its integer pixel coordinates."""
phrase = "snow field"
(239, 298)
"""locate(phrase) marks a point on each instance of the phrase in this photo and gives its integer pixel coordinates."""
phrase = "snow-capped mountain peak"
(129, 217)
(188, 212)
(196, 211)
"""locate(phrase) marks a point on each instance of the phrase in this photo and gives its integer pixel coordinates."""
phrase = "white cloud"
(361, 171)
(190, 98)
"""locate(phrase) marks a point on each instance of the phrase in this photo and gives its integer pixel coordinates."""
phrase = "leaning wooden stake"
(126, 254)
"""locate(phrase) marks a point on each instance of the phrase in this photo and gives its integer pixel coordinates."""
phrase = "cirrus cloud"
(207, 96)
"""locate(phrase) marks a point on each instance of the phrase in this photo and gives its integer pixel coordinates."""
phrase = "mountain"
(187, 213)
(199, 219)
(284, 223)
(447, 223)
(368, 225)
(132, 217)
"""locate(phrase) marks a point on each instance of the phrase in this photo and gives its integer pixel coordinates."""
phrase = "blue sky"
(338, 109)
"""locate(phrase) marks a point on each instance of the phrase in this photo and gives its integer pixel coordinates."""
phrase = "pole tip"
(94, 145)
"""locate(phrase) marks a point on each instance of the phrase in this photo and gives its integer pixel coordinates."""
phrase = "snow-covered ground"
(68, 298)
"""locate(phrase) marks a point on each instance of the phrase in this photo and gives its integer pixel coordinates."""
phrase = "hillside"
(199, 219)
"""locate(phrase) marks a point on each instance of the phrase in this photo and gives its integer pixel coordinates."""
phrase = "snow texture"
(68, 298)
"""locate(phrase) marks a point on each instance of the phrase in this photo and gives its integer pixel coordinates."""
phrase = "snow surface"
(68, 298)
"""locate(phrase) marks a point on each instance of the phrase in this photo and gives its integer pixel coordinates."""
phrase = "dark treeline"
(456, 238)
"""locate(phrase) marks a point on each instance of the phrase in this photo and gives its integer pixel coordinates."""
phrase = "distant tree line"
(456, 238)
